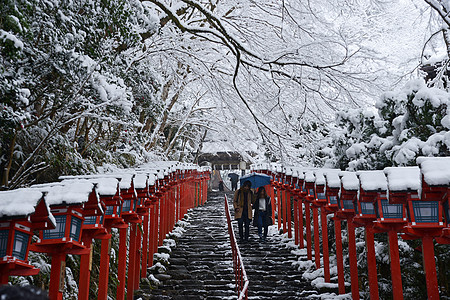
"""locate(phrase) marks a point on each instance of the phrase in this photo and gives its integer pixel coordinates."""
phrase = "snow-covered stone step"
(200, 266)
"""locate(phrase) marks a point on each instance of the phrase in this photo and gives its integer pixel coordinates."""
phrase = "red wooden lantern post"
(202, 183)
(200, 186)
(194, 188)
(197, 188)
(445, 235)
(141, 185)
(113, 219)
(307, 200)
(173, 186)
(66, 203)
(436, 187)
(177, 194)
(373, 188)
(153, 219)
(295, 196)
(301, 194)
(332, 190)
(182, 181)
(280, 201)
(163, 208)
(167, 207)
(277, 184)
(109, 192)
(189, 189)
(425, 217)
(288, 189)
(130, 216)
(311, 196)
(17, 223)
(93, 228)
(319, 201)
(391, 218)
(333, 185)
(94, 225)
(271, 192)
(283, 202)
(160, 193)
(170, 202)
(349, 191)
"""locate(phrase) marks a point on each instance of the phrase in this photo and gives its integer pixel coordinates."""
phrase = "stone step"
(200, 266)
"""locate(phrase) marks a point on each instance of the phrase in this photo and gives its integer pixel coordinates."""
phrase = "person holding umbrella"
(234, 178)
(263, 213)
(242, 203)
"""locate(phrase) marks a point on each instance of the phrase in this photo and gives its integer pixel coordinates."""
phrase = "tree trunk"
(5, 179)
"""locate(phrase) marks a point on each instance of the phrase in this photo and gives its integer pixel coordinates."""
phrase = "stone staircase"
(200, 267)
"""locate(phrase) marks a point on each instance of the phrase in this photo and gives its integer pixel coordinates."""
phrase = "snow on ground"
(307, 267)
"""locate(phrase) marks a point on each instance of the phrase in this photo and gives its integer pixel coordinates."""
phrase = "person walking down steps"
(263, 213)
(234, 178)
(242, 203)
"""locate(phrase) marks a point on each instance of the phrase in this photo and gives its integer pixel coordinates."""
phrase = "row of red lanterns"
(411, 201)
(69, 215)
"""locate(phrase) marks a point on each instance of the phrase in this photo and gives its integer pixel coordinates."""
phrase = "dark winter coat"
(268, 220)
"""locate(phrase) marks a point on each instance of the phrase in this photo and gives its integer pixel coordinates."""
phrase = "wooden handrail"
(238, 265)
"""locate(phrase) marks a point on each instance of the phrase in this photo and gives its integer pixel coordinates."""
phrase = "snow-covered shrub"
(407, 123)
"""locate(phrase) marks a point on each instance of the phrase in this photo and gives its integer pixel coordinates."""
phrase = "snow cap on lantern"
(17, 223)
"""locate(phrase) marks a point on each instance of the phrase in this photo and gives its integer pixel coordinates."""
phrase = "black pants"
(233, 185)
(244, 220)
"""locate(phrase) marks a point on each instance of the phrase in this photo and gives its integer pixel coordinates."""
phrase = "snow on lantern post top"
(107, 188)
(349, 192)
(264, 168)
(309, 185)
(320, 198)
(269, 171)
(142, 192)
(198, 174)
(110, 195)
(279, 176)
(294, 181)
(436, 186)
(67, 203)
(404, 187)
(333, 187)
(287, 177)
(436, 183)
(110, 199)
(160, 181)
(403, 184)
(179, 174)
(273, 173)
(373, 188)
(130, 198)
(152, 177)
(166, 179)
(21, 212)
(435, 177)
(301, 182)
